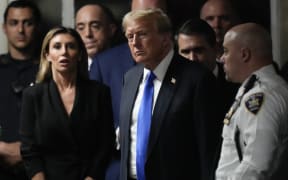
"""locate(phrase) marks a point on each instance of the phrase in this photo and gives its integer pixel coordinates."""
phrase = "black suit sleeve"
(29, 150)
(106, 137)
(208, 122)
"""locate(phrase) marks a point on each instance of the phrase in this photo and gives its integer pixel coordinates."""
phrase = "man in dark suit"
(184, 111)
(109, 67)
(196, 41)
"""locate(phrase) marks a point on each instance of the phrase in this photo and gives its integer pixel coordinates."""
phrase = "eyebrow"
(89, 22)
(197, 48)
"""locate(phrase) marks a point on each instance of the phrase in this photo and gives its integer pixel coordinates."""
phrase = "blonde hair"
(163, 22)
(45, 72)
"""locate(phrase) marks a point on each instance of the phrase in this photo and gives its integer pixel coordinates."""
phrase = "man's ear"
(113, 29)
(245, 54)
(4, 28)
(166, 38)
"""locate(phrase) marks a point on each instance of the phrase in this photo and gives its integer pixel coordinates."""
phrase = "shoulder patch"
(254, 102)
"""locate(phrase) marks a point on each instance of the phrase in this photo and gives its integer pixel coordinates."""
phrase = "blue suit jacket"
(109, 68)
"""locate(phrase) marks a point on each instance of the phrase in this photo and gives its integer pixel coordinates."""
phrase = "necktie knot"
(150, 78)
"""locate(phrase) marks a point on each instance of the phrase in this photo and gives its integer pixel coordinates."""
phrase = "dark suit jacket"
(226, 96)
(62, 146)
(227, 90)
(109, 68)
(182, 127)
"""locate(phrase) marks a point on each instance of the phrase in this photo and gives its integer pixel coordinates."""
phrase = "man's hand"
(38, 176)
(10, 153)
(88, 178)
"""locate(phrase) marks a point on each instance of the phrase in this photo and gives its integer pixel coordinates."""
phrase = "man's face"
(146, 43)
(94, 29)
(196, 48)
(219, 16)
(231, 58)
(19, 28)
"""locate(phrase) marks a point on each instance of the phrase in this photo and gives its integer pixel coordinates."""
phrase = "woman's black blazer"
(67, 146)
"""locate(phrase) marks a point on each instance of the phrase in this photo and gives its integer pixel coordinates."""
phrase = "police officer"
(17, 70)
(255, 128)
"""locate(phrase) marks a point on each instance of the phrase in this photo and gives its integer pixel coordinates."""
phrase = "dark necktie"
(143, 125)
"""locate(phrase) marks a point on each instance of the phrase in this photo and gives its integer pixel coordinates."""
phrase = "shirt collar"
(161, 69)
(216, 71)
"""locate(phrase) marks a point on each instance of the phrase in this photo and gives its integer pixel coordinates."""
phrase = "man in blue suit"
(97, 27)
(109, 67)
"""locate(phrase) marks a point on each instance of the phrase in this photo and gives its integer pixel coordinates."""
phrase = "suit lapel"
(163, 102)
(60, 113)
(129, 92)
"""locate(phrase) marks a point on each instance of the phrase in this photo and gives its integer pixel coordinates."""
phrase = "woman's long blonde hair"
(45, 72)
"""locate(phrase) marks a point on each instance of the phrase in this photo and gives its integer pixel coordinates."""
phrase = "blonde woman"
(66, 121)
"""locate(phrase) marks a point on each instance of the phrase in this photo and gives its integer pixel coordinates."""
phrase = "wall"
(51, 15)
(57, 12)
(279, 30)
(3, 45)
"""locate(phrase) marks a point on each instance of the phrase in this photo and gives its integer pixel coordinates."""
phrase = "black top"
(15, 75)
(67, 146)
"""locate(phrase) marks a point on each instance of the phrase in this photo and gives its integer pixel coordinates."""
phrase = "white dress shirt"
(159, 72)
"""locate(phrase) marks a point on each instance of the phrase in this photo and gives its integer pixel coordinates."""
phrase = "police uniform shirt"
(261, 120)
(15, 75)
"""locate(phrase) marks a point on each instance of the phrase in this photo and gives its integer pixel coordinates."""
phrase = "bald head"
(254, 37)
(247, 48)
(145, 4)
